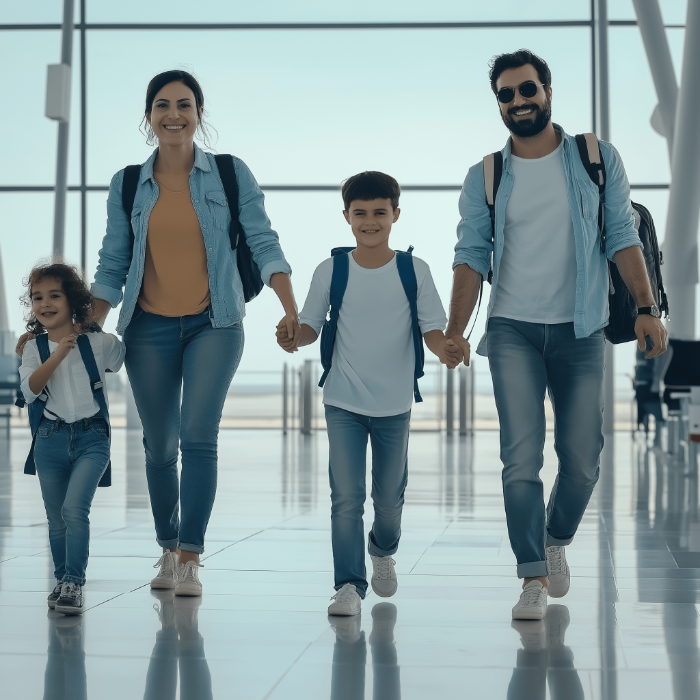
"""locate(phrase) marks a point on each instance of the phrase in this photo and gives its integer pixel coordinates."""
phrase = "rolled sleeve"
(474, 245)
(30, 364)
(262, 239)
(620, 232)
(102, 291)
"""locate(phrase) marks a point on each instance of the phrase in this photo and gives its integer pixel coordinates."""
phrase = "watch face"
(655, 312)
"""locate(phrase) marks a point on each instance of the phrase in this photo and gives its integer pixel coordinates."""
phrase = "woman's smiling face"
(174, 118)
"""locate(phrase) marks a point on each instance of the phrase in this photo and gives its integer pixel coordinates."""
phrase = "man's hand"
(285, 339)
(647, 325)
(464, 347)
(23, 340)
(446, 350)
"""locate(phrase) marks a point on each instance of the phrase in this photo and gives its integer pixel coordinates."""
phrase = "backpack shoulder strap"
(592, 159)
(493, 172)
(407, 274)
(129, 186)
(227, 173)
(339, 283)
(42, 344)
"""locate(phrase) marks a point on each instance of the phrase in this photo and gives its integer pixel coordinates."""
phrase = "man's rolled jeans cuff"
(73, 579)
(532, 569)
(559, 543)
(376, 552)
(167, 544)
(196, 548)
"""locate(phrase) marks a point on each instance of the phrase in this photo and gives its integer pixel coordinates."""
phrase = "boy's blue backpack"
(339, 282)
(36, 408)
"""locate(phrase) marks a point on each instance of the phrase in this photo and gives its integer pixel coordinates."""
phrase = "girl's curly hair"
(79, 297)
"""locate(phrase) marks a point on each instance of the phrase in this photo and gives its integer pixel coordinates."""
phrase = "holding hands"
(288, 333)
(450, 351)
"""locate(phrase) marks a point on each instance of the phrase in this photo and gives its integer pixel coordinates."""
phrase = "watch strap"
(648, 311)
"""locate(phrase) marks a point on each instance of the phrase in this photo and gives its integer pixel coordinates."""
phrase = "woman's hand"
(23, 340)
(289, 333)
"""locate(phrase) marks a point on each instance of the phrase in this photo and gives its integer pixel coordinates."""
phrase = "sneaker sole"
(163, 584)
(341, 613)
(556, 594)
(188, 590)
(69, 611)
(529, 615)
(51, 604)
(382, 594)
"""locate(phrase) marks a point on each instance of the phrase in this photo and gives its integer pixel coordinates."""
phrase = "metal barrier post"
(472, 397)
(450, 403)
(285, 392)
(463, 399)
(306, 397)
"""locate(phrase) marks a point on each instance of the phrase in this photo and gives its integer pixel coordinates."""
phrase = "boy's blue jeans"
(526, 359)
(347, 440)
(180, 369)
(70, 460)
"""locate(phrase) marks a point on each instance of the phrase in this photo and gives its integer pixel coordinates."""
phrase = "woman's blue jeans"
(347, 441)
(70, 461)
(526, 359)
(180, 371)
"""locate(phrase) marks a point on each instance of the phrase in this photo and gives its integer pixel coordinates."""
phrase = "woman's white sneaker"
(346, 601)
(532, 604)
(384, 582)
(188, 579)
(557, 572)
(166, 575)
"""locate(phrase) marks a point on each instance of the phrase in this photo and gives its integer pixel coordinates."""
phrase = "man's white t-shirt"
(373, 357)
(537, 273)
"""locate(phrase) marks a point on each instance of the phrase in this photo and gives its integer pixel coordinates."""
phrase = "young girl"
(71, 434)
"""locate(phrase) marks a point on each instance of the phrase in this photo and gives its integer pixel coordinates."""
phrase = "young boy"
(370, 387)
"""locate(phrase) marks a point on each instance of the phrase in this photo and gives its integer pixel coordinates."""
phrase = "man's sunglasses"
(527, 89)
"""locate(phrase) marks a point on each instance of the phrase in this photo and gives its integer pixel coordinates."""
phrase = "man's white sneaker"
(384, 582)
(557, 571)
(166, 575)
(187, 579)
(532, 604)
(346, 601)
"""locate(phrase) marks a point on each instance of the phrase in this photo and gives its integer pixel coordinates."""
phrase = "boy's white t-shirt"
(70, 394)
(373, 357)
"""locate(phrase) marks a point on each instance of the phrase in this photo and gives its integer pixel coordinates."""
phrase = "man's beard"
(525, 128)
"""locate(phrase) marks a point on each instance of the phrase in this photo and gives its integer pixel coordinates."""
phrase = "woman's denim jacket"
(475, 248)
(121, 265)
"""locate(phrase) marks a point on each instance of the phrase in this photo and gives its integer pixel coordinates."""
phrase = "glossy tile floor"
(627, 629)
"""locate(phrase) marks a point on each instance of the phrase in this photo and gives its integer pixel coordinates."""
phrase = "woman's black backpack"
(247, 269)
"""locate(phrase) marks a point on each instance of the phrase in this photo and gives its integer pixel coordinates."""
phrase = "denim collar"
(201, 162)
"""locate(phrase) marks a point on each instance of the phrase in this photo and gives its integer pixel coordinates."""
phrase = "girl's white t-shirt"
(70, 394)
(373, 357)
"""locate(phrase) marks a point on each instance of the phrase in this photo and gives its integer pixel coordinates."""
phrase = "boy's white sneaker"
(532, 604)
(166, 576)
(346, 601)
(557, 571)
(187, 579)
(384, 582)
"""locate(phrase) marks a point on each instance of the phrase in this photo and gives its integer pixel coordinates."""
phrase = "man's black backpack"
(247, 269)
(623, 308)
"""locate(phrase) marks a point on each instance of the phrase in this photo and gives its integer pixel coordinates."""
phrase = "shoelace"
(555, 559)
(190, 572)
(531, 596)
(383, 568)
(344, 595)
(163, 562)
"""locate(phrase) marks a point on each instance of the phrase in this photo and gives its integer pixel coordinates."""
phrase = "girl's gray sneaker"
(55, 594)
(70, 601)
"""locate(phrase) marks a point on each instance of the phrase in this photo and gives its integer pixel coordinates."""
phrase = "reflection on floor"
(627, 629)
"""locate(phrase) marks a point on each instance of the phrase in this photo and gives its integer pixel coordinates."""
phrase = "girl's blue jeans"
(347, 440)
(70, 460)
(527, 359)
(180, 371)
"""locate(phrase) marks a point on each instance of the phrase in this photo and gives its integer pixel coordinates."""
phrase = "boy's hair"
(79, 297)
(371, 185)
(522, 57)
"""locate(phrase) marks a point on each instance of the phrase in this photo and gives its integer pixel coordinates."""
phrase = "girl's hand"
(66, 345)
(283, 338)
(23, 340)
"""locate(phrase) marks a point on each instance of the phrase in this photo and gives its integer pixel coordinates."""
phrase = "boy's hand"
(65, 346)
(449, 353)
(287, 343)
(464, 346)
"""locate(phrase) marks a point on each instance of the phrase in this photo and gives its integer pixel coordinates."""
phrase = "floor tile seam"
(119, 595)
(440, 534)
(293, 664)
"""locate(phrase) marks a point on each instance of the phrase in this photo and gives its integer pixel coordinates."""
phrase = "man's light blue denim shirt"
(474, 246)
(120, 266)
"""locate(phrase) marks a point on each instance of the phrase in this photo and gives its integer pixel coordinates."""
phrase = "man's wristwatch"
(649, 311)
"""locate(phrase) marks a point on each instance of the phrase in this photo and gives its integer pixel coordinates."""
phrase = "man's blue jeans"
(526, 359)
(347, 440)
(70, 461)
(180, 369)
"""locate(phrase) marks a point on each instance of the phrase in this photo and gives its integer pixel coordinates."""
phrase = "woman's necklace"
(160, 184)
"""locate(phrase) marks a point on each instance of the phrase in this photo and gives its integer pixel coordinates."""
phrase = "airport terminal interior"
(308, 93)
